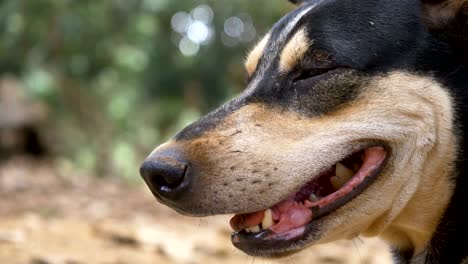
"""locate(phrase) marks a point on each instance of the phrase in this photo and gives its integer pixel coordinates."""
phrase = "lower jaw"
(276, 244)
(258, 245)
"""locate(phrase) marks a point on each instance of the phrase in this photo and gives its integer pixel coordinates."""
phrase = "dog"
(352, 123)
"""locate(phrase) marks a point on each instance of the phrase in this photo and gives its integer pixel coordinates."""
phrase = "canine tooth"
(267, 221)
(255, 229)
(248, 230)
(343, 172)
(313, 197)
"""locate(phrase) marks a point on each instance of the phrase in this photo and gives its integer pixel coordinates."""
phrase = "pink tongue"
(292, 215)
(289, 213)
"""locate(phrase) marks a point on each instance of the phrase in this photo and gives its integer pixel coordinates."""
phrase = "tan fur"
(254, 56)
(258, 156)
(439, 15)
(294, 50)
(407, 201)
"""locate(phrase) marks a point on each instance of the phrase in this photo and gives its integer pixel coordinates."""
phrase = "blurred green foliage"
(122, 76)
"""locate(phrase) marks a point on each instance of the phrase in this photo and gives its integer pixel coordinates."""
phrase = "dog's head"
(342, 121)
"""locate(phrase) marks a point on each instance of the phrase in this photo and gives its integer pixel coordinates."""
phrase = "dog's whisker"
(357, 249)
(360, 240)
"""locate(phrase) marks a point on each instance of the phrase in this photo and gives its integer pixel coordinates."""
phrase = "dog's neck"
(449, 241)
(447, 244)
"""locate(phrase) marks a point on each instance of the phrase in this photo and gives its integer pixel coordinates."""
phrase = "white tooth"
(255, 229)
(267, 221)
(342, 175)
(313, 197)
(343, 172)
(248, 230)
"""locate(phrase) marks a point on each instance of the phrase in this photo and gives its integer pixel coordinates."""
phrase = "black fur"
(382, 37)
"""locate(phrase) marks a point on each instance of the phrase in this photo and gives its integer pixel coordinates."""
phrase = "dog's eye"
(310, 73)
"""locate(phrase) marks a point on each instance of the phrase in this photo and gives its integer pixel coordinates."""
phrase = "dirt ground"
(53, 216)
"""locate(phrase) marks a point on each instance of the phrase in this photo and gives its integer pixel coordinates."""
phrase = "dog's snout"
(165, 176)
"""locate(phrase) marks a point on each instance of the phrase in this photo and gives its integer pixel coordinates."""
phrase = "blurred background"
(87, 90)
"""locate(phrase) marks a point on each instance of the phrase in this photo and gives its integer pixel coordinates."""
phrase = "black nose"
(165, 176)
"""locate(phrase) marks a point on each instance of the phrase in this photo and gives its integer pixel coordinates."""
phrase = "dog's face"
(337, 129)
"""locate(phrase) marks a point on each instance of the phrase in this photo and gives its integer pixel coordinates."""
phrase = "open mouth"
(292, 219)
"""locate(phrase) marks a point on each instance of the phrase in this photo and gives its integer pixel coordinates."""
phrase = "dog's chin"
(280, 248)
(277, 252)
(299, 220)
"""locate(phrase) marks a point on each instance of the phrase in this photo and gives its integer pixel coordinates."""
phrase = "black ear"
(448, 20)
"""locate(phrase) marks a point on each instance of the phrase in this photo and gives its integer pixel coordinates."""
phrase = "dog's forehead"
(282, 30)
(280, 33)
(358, 34)
(269, 48)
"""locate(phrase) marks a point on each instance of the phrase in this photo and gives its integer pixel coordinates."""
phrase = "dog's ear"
(448, 19)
